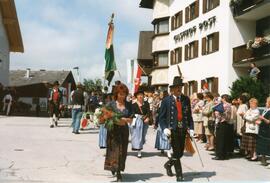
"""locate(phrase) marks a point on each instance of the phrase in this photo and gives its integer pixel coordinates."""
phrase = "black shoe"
(76, 132)
(51, 126)
(56, 123)
(218, 158)
(179, 179)
(113, 172)
(118, 177)
(168, 166)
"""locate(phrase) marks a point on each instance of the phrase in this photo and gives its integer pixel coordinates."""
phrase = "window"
(161, 27)
(177, 20)
(192, 87)
(212, 84)
(209, 5)
(161, 59)
(176, 56)
(191, 50)
(210, 43)
(192, 11)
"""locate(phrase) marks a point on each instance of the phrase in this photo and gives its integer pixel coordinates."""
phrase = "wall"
(217, 64)
(161, 9)
(4, 54)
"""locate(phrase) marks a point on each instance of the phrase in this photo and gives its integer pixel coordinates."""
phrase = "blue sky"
(62, 34)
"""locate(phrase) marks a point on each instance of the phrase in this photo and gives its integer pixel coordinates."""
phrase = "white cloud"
(59, 37)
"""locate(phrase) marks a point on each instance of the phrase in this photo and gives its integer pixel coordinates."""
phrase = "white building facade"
(4, 54)
(10, 37)
(196, 39)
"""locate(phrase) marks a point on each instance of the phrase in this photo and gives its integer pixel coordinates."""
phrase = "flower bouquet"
(106, 115)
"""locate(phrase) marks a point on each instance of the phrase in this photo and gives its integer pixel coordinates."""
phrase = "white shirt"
(7, 97)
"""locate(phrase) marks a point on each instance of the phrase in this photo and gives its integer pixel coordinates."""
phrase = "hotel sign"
(191, 31)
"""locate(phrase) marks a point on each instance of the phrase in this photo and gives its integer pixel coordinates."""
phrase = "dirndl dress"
(102, 136)
(162, 142)
(138, 130)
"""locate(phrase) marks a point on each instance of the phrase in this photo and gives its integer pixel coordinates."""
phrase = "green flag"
(110, 65)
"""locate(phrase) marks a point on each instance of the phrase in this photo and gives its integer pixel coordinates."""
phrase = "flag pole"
(142, 69)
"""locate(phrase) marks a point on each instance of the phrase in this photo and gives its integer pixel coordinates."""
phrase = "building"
(10, 37)
(205, 41)
(145, 58)
(32, 87)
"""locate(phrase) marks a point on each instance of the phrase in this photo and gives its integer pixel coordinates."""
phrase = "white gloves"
(191, 132)
(167, 132)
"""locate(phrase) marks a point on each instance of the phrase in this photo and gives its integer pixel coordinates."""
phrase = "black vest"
(78, 98)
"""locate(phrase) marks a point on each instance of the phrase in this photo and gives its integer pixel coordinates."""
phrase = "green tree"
(254, 88)
(92, 84)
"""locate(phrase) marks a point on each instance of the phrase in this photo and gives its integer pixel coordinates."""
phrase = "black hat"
(139, 91)
(150, 89)
(56, 83)
(177, 81)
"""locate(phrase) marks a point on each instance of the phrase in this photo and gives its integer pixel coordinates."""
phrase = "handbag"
(252, 128)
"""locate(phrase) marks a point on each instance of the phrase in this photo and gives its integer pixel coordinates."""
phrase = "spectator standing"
(7, 102)
(254, 71)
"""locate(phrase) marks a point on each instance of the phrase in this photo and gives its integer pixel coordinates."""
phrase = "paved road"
(32, 152)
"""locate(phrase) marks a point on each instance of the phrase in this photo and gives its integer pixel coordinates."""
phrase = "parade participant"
(139, 126)
(102, 129)
(162, 143)
(222, 113)
(55, 97)
(77, 101)
(263, 140)
(7, 102)
(117, 138)
(175, 120)
(198, 118)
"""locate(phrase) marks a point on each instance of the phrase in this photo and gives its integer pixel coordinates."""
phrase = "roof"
(11, 23)
(145, 45)
(18, 77)
(147, 4)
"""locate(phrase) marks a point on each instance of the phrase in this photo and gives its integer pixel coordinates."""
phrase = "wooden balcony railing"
(241, 53)
(243, 6)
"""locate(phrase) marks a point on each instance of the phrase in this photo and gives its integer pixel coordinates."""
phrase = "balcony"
(250, 9)
(243, 56)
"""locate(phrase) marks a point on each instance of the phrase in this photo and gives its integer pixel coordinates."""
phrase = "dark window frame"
(156, 60)
(214, 3)
(191, 15)
(192, 46)
(206, 43)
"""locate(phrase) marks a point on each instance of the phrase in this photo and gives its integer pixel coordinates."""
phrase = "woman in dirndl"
(162, 143)
(139, 126)
(263, 140)
(251, 130)
(117, 138)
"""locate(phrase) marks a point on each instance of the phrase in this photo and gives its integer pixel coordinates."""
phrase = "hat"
(139, 91)
(56, 83)
(177, 81)
(150, 89)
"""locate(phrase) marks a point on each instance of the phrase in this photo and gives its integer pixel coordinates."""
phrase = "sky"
(63, 34)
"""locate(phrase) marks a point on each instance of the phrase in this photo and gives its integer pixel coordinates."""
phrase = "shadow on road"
(190, 176)
(140, 177)
(146, 154)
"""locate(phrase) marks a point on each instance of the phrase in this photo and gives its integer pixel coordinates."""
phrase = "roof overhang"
(11, 24)
(147, 4)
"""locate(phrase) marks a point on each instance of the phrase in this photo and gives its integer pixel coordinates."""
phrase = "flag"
(110, 65)
(137, 79)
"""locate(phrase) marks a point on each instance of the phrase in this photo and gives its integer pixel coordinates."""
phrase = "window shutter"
(180, 18)
(185, 89)
(204, 6)
(215, 85)
(187, 14)
(186, 52)
(180, 55)
(195, 86)
(204, 46)
(172, 22)
(196, 45)
(216, 3)
(216, 41)
(197, 8)
(172, 58)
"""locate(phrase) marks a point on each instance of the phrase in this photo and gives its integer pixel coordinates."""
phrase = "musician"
(176, 120)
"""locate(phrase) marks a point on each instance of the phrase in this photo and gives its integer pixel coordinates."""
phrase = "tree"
(254, 88)
(92, 84)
